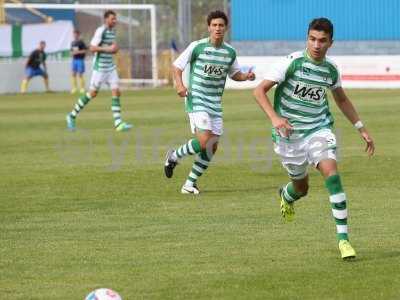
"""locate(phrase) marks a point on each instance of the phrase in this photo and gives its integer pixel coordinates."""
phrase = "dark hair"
(42, 42)
(217, 14)
(321, 24)
(108, 13)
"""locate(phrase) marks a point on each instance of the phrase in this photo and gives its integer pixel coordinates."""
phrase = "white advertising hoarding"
(357, 71)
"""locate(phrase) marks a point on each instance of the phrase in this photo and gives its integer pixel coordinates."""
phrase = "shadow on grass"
(378, 255)
(236, 190)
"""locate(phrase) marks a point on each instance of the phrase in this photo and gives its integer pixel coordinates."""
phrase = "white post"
(154, 46)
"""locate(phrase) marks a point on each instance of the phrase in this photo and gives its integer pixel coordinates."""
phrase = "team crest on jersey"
(213, 70)
(306, 70)
(308, 92)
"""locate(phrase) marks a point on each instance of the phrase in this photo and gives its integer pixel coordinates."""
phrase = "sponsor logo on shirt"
(213, 70)
(308, 92)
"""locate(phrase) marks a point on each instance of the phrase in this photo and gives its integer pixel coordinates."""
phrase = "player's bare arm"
(106, 49)
(282, 125)
(345, 105)
(181, 90)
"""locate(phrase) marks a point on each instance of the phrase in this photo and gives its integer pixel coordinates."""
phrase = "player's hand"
(282, 126)
(370, 147)
(250, 75)
(114, 48)
(181, 91)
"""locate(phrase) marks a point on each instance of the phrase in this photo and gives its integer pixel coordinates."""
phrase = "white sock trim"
(191, 150)
(337, 198)
(192, 175)
(197, 168)
(341, 228)
(286, 194)
(204, 162)
(188, 183)
(174, 156)
(339, 213)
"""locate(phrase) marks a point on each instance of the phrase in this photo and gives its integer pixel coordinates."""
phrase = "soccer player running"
(302, 123)
(32, 68)
(104, 46)
(78, 51)
(211, 61)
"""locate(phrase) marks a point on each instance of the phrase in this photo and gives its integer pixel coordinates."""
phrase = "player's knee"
(206, 146)
(330, 173)
(203, 144)
(93, 94)
(209, 144)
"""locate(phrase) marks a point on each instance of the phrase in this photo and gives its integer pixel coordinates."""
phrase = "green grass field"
(91, 209)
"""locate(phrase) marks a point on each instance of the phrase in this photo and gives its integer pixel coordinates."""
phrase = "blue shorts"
(78, 65)
(32, 72)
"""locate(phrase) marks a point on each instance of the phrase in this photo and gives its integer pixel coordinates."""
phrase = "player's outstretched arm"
(345, 105)
(281, 125)
(240, 76)
(181, 90)
(237, 75)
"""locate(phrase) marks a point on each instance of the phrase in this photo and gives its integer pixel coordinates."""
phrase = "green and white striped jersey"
(209, 67)
(103, 62)
(301, 94)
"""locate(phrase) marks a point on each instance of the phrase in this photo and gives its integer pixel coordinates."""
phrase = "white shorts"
(109, 78)
(203, 121)
(297, 156)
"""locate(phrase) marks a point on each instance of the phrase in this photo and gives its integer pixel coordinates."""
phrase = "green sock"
(82, 102)
(290, 194)
(337, 199)
(190, 148)
(116, 110)
(199, 166)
